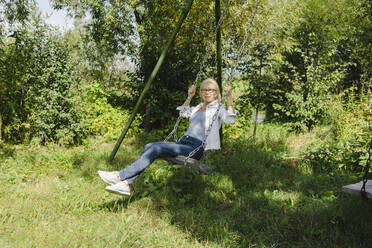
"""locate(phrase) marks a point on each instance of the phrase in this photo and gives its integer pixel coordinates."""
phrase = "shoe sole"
(118, 192)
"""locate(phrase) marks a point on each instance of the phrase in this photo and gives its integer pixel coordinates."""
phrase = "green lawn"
(261, 195)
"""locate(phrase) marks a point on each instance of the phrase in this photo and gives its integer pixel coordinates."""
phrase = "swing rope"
(202, 65)
(232, 69)
(245, 39)
(205, 57)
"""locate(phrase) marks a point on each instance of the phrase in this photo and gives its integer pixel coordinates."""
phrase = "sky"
(58, 18)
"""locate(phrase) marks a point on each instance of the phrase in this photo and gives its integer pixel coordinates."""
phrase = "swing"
(183, 160)
(188, 161)
(364, 187)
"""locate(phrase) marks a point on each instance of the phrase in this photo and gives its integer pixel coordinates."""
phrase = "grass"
(52, 197)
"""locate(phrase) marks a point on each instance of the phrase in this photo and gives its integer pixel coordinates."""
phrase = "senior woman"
(200, 120)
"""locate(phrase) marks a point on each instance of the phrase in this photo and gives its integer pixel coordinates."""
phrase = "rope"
(205, 57)
(229, 78)
(232, 69)
(202, 65)
(243, 44)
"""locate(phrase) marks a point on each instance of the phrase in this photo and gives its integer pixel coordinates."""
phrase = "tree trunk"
(1, 127)
(147, 124)
(257, 107)
(255, 125)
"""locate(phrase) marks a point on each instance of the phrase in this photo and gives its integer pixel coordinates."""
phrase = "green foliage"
(103, 119)
(305, 101)
(54, 97)
(257, 71)
(14, 11)
(110, 27)
(239, 128)
(41, 88)
(334, 156)
(350, 137)
(105, 46)
(361, 36)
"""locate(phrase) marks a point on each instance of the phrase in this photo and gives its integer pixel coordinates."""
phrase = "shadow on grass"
(255, 199)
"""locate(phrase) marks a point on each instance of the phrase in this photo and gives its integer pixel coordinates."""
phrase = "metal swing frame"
(188, 161)
(183, 160)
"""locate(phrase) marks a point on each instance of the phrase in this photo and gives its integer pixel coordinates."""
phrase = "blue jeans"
(153, 151)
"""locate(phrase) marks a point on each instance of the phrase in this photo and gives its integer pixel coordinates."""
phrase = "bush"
(54, 96)
(336, 156)
(40, 90)
(350, 132)
(103, 119)
(306, 103)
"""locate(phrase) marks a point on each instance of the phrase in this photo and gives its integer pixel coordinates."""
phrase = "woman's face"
(208, 92)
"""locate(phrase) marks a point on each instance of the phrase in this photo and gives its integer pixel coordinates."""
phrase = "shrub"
(103, 119)
(305, 104)
(40, 89)
(53, 99)
(350, 133)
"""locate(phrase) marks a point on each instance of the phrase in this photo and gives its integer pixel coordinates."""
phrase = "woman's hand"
(228, 92)
(192, 91)
(228, 89)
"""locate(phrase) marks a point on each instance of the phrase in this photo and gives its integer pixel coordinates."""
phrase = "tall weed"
(350, 132)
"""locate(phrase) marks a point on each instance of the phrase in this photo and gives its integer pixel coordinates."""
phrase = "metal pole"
(218, 51)
(152, 76)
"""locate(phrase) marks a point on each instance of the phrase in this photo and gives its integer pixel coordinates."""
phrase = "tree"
(318, 60)
(39, 88)
(154, 21)
(11, 13)
(257, 70)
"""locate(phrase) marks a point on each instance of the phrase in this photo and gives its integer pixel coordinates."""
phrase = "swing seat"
(190, 163)
(355, 188)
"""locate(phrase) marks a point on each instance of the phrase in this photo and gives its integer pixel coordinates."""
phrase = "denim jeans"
(153, 151)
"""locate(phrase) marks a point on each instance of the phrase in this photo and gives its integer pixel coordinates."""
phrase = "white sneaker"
(110, 177)
(120, 188)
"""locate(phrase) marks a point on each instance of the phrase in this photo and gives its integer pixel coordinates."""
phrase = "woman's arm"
(230, 104)
(185, 109)
(191, 93)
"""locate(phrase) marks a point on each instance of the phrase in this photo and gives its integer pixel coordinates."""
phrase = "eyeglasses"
(208, 90)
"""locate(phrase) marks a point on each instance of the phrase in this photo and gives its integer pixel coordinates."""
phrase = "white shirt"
(213, 139)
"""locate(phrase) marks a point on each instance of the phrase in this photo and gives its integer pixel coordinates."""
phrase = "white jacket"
(213, 139)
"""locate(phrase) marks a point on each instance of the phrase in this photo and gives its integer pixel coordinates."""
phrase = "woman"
(200, 120)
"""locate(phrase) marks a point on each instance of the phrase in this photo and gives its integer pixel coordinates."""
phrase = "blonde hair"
(212, 81)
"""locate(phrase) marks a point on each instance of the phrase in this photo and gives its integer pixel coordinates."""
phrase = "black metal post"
(152, 77)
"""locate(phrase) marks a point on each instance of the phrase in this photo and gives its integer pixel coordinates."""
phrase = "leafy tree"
(256, 69)
(54, 96)
(40, 88)
(11, 13)
(318, 61)
(107, 40)
(154, 21)
(14, 11)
